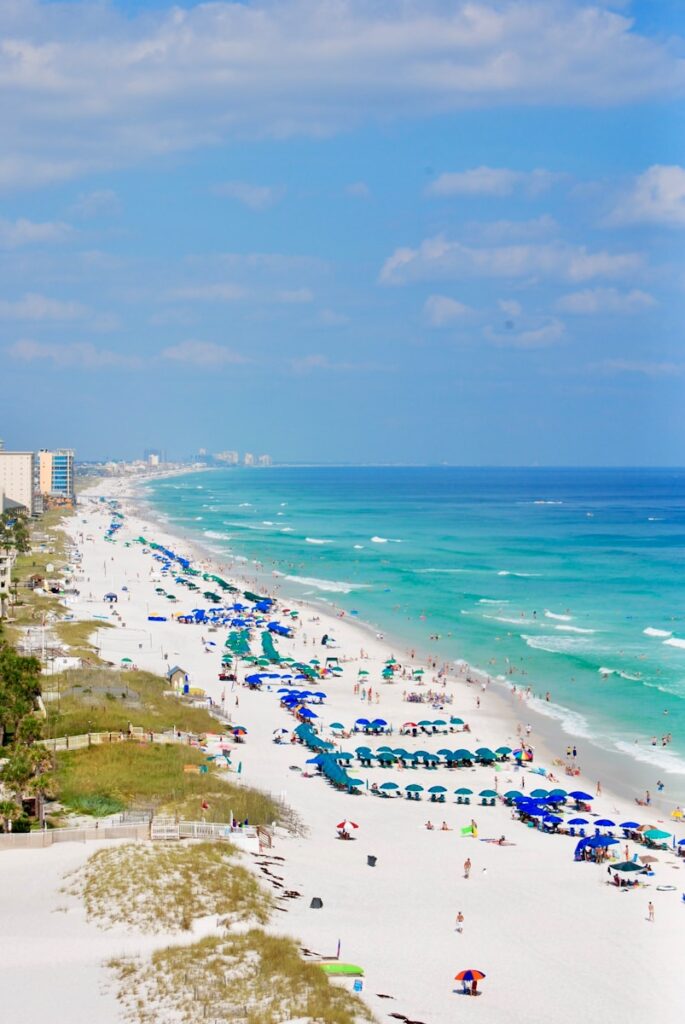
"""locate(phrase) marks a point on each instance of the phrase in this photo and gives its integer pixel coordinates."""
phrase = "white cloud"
(39, 307)
(257, 197)
(295, 296)
(513, 230)
(358, 190)
(656, 197)
(640, 368)
(441, 311)
(81, 355)
(318, 362)
(225, 291)
(95, 86)
(510, 306)
(17, 233)
(542, 336)
(491, 181)
(331, 318)
(605, 300)
(99, 203)
(202, 354)
(440, 259)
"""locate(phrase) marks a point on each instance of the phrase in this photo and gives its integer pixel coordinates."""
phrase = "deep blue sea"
(571, 578)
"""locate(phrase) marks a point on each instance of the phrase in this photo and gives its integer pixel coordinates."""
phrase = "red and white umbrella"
(346, 826)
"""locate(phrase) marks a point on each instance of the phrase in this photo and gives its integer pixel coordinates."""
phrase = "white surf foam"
(286, 529)
(267, 522)
(542, 502)
(553, 615)
(511, 621)
(333, 586)
(492, 600)
(315, 540)
(443, 571)
(675, 642)
(650, 631)
(606, 672)
(358, 547)
(523, 575)
(572, 722)
(216, 535)
(575, 629)
(557, 644)
(667, 761)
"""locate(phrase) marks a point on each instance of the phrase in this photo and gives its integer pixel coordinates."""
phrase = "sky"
(344, 230)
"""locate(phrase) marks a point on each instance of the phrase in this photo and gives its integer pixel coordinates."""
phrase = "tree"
(9, 811)
(19, 688)
(14, 531)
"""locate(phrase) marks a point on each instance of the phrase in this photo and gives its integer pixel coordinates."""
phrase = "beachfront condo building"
(56, 475)
(248, 459)
(18, 480)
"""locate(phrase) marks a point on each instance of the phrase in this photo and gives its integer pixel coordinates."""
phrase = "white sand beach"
(553, 938)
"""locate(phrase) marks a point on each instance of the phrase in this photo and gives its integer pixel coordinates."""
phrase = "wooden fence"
(249, 837)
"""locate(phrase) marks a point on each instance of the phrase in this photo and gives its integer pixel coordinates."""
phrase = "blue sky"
(344, 230)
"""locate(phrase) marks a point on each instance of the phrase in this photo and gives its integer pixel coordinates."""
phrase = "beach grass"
(106, 700)
(251, 978)
(132, 774)
(165, 887)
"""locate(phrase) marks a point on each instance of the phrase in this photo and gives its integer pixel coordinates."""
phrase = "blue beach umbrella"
(578, 794)
(630, 824)
(577, 821)
(605, 823)
(552, 819)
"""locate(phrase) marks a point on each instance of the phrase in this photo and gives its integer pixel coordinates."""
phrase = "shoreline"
(623, 773)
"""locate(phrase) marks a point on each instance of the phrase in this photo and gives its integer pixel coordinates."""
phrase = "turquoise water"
(570, 581)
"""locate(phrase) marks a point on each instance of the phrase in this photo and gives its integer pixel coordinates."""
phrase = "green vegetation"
(130, 773)
(253, 978)
(105, 700)
(25, 768)
(156, 888)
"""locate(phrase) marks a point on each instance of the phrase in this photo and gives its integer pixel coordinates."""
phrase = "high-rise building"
(248, 459)
(264, 460)
(229, 458)
(56, 474)
(18, 479)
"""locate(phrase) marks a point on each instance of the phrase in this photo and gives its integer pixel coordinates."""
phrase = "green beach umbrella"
(656, 833)
(362, 672)
(487, 793)
(539, 794)
(463, 755)
(456, 721)
(463, 791)
(336, 725)
(628, 865)
(503, 751)
(387, 786)
(512, 794)
(414, 787)
(126, 661)
(437, 789)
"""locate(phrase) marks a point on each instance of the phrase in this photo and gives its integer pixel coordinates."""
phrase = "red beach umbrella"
(345, 826)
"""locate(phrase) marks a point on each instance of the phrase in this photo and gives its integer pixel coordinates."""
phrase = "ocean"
(566, 580)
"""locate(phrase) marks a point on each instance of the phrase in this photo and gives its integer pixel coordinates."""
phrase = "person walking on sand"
(467, 867)
(650, 912)
(599, 788)
(460, 922)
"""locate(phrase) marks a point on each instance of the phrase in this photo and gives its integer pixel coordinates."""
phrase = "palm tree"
(9, 811)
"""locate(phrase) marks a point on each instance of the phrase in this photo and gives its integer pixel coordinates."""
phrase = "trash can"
(371, 860)
(316, 903)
